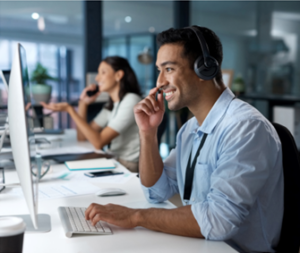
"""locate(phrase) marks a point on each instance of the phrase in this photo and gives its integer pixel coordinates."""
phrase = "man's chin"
(174, 106)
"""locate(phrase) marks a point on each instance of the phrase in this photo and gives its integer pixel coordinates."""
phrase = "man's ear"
(119, 75)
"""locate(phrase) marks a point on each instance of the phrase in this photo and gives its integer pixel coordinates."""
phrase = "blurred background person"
(115, 124)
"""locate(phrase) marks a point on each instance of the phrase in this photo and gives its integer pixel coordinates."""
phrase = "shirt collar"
(215, 114)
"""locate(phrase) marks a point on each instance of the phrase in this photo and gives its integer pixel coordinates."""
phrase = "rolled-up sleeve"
(166, 186)
(245, 161)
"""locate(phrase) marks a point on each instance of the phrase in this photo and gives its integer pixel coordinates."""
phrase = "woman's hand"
(149, 112)
(57, 107)
(85, 98)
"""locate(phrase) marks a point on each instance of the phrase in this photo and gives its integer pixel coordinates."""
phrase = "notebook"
(90, 164)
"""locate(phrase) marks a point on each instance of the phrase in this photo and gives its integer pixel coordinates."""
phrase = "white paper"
(64, 150)
(66, 190)
(90, 164)
(59, 190)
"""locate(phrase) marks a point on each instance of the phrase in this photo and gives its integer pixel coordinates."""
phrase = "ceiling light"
(35, 15)
(128, 19)
(41, 24)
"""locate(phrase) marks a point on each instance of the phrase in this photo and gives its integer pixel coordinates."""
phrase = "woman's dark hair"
(128, 83)
(192, 49)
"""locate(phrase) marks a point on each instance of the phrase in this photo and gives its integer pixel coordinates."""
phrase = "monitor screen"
(27, 100)
(6, 74)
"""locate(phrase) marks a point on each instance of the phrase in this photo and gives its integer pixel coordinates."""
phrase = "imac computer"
(22, 140)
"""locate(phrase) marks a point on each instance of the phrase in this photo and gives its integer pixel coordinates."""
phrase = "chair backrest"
(290, 231)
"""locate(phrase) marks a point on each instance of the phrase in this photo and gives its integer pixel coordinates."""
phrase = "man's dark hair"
(128, 83)
(192, 49)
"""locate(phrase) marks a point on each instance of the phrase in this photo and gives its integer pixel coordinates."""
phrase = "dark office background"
(260, 43)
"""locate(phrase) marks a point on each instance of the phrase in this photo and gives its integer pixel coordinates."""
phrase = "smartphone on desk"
(102, 173)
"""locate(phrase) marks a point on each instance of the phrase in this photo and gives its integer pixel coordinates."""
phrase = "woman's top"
(121, 119)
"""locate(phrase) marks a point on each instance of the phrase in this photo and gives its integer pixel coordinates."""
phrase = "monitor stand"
(44, 222)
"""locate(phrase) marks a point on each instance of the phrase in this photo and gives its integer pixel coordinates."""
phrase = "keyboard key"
(99, 227)
(93, 228)
(105, 226)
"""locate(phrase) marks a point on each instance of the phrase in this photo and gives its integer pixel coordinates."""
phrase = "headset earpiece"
(206, 67)
(206, 71)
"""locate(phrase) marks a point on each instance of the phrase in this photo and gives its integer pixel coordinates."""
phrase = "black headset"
(206, 67)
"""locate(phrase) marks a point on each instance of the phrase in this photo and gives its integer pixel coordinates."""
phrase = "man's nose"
(161, 81)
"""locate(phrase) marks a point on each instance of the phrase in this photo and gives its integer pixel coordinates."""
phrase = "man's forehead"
(169, 53)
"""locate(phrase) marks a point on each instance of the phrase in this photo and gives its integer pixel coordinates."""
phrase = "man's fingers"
(153, 91)
(160, 100)
(89, 210)
(95, 210)
(143, 107)
(153, 102)
(95, 219)
(148, 101)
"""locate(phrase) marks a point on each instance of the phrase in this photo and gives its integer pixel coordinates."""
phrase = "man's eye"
(168, 69)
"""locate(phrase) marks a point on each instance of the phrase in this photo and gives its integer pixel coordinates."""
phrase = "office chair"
(290, 231)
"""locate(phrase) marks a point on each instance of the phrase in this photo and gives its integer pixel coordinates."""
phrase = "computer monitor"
(22, 137)
(5, 74)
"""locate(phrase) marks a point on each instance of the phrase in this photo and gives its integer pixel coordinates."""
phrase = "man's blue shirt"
(237, 193)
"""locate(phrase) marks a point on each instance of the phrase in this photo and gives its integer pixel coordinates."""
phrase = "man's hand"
(117, 215)
(85, 98)
(149, 112)
(177, 221)
(57, 107)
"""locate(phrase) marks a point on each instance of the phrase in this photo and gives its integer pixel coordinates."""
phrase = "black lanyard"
(189, 175)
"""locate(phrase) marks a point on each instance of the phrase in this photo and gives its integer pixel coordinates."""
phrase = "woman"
(115, 124)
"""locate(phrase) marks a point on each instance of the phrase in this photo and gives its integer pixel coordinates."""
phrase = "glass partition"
(260, 42)
(52, 34)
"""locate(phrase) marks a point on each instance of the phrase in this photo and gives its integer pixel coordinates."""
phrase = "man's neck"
(208, 98)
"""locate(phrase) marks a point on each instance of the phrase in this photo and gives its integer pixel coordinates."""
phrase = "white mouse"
(105, 192)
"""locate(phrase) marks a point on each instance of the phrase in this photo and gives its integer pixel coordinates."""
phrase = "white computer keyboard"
(74, 222)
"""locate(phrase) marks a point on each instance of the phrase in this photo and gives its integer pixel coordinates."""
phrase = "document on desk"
(91, 164)
(66, 190)
(59, 190)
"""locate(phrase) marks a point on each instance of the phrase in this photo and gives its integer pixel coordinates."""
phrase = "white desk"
(123, 240)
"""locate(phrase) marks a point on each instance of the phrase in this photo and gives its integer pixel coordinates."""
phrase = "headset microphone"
(206, 67)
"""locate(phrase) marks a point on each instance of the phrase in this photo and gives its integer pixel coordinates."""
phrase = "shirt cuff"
(157, 192)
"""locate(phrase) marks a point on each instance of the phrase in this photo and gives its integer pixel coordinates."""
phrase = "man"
(236, 191)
